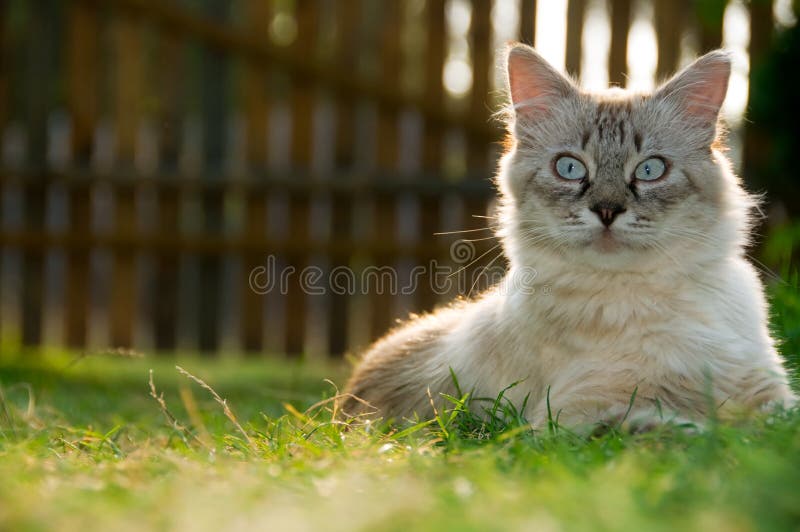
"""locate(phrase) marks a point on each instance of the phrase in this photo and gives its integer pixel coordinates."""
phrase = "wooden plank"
(434, 91)
(384, 208)
(576, 11)
(348, 21)
(482, 62)
(82, 98)
(40, 239)
(4, 95)
(256, 109)
(618, 56)
(170, 69)
(433, 137)
(4, 71)
(669, 19)
(214, 107)
(40, 75)
(527, 22)
(477, 149)
(302, 108)
(381, 182)
(129, 80)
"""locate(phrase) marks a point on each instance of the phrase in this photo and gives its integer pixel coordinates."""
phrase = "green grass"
(84, 445)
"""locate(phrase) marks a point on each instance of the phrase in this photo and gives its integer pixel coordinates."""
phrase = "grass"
(88, 443)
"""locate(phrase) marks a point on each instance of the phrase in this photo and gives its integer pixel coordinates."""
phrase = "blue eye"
(570, 168)
(650, 170)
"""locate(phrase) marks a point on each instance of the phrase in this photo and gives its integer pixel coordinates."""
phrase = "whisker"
(475, 260)
(477, 277)
(478, 239)
(462, 231)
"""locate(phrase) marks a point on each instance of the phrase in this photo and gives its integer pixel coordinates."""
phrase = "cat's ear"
(533, 84)
(700, 88)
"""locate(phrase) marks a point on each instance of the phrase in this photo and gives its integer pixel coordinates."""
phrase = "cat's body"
(641, 282)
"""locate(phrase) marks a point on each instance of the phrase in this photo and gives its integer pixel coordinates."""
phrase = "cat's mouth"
(606, 241)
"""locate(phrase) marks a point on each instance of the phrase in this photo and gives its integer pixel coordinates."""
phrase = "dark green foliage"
(773, 112)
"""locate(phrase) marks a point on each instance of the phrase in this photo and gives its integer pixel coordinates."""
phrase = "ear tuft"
(533, 84)
(700, 88)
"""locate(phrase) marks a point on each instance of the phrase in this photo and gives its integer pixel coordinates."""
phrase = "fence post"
(576, 10)
(4, 74)
(214, 104)
(384, 205)
(83, 95)
(618, 56)
(348, 20)
(128, 85)
(478, 146)
(41, 73)
(432, 140)
(481, 51)
(302, 108)
(669, 20)
(170, 71)
(256, 109)
(527, 22)
(4, 93)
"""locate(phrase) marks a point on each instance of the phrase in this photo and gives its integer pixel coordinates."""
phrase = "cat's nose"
(607, 212)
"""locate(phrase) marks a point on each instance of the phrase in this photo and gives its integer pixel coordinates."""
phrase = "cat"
(647, 310)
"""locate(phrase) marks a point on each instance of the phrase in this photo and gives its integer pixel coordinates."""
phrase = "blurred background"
(154, 152)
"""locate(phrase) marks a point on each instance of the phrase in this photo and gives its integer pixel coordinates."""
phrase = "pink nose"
(607, 212)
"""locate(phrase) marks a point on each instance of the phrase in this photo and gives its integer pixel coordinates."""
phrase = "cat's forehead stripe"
(612, 122)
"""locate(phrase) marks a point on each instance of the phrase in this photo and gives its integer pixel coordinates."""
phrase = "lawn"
(85, 445)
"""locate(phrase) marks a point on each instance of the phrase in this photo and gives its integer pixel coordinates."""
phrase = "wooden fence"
(155, 152)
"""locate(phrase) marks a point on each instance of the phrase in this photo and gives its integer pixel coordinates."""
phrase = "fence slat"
(128, 86)
(302, 108)
(256, 109)
(348, 22)
(215, 126)
(170, 71)
(527, 22)
(385, 207)
(433, 138)
(4, 96)
(576, 10)
(481, 50)
(669, 21)
(618, 56)
(83, 95)
(4, 72)
(41, 71)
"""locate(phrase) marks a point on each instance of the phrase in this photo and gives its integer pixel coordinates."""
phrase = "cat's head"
(618, 180)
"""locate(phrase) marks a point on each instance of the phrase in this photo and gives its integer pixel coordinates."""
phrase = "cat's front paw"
(639, 422)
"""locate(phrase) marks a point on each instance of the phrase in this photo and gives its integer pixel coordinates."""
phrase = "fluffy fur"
(662, 301)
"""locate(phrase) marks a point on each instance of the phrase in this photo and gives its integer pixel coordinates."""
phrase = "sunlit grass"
(90, 444)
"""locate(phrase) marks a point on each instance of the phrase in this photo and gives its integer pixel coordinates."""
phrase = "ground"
(85, 443)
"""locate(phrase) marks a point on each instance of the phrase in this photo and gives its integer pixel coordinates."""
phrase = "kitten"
(629, 213)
